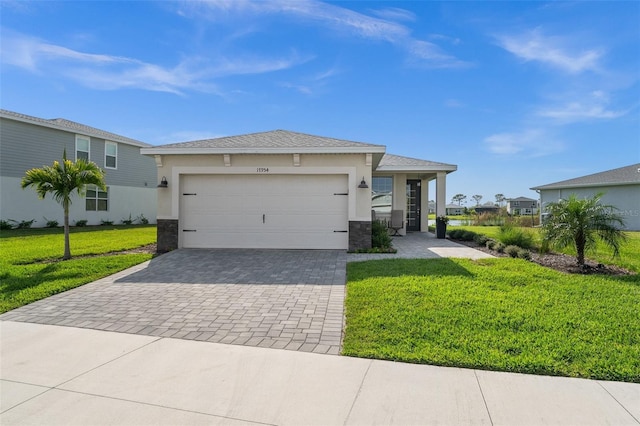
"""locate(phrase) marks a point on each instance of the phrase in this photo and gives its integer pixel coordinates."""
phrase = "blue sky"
(517, 94)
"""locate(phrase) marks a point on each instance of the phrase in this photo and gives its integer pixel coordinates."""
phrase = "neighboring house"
(621, 188)
(287, 190)
(487, 207)
(29, 142)
(522, 206)
(455, 210)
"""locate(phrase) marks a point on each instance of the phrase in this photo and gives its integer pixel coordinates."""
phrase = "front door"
(413, 205)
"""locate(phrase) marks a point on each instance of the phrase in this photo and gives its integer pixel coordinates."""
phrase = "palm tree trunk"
(67, 247)
(580, 245)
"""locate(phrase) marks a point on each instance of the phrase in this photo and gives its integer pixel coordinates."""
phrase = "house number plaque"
(262, 170)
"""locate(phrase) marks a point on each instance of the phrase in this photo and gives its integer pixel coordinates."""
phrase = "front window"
(97, 199)
(110, 155)
(82, 148)
(382, 196)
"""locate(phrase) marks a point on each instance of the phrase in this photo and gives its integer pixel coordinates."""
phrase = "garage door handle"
(340, 193)
(188, 230)
(341, 231)
(263, 218)
(189, 193)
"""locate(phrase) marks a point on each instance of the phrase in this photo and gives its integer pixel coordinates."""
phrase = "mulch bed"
(559, 262)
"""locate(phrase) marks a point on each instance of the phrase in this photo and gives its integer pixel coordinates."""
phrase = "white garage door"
(264, 211)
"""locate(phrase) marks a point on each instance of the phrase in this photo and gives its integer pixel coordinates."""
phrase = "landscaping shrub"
(524, 254)
(142, 220)
(512, 250)
(512, 235)
(380, 237)
(51, 223)
(23, 224)
(128, 221)
(467, 235)
(490, 243)
(81, 223)
(481, 239)
(106, 222)
(5, 225)
(499, 247)
(454, 234)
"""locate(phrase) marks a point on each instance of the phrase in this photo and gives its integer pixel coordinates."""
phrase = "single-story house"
(621, 188)
(522, 206)
(287, 190)
(454, 210)
(487, 207)
(28, 142)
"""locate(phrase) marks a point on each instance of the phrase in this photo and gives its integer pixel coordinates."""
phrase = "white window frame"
(106, 144)
(96, 198)
(88, 151)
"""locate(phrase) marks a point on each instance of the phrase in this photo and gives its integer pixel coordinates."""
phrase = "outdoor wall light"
(163, 183)
(363, 183)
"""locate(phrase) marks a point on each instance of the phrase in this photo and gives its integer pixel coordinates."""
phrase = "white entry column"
(441, 194)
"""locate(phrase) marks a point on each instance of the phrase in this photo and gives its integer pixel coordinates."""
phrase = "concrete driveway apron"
(287, 299)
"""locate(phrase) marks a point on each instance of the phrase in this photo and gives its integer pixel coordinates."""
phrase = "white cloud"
(381, 28)
(591, 107)
(554, 51)
(453, 103)
(108, 72)
(530, 142)
(394, 14)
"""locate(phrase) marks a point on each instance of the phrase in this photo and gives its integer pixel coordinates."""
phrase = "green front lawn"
(494, 314)
(30, 266)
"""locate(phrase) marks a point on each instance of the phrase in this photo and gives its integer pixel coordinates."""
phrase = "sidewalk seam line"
(160, 406)
(107, 362)
(355, 399)
(616, 400)
(486, 406)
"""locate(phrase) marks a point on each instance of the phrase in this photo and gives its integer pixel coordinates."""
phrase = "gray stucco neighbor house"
(621, 188)
(287, 190)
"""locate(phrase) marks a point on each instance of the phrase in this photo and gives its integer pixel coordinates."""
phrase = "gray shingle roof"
(71, 126)
(621, 176)
(520, 199)
(271, 139)
(397, 162)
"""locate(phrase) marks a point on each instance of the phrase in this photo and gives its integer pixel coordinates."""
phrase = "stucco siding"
(625, 197)
(19, 204)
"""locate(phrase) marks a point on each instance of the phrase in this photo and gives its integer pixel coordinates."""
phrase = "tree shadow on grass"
(400, 267)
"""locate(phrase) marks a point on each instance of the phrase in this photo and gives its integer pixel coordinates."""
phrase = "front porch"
(402, 183)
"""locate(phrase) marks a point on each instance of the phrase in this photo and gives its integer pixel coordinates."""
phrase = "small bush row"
(8, 224)
(510, 250)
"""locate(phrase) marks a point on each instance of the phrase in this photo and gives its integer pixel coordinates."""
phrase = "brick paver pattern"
(286, 299)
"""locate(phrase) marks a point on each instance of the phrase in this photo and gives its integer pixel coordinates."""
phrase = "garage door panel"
(300, 211)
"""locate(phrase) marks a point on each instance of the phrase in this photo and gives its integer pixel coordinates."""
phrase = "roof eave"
(55, 126)
(283, 150)
(418, 169)
(584, 185)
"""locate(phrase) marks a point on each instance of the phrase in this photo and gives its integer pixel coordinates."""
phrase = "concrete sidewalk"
(70, 376)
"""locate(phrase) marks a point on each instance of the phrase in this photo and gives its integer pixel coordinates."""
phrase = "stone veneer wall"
(359, 235)
(167, 235)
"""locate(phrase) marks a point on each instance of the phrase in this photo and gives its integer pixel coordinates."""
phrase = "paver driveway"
(291, 299)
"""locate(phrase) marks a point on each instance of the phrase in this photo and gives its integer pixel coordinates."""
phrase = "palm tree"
(61, 180)
(580, 222)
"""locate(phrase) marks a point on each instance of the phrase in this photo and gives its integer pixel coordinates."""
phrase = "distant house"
(455, 210)
(621, 188)
(28, 142)
(488, 207)
(522, 206)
